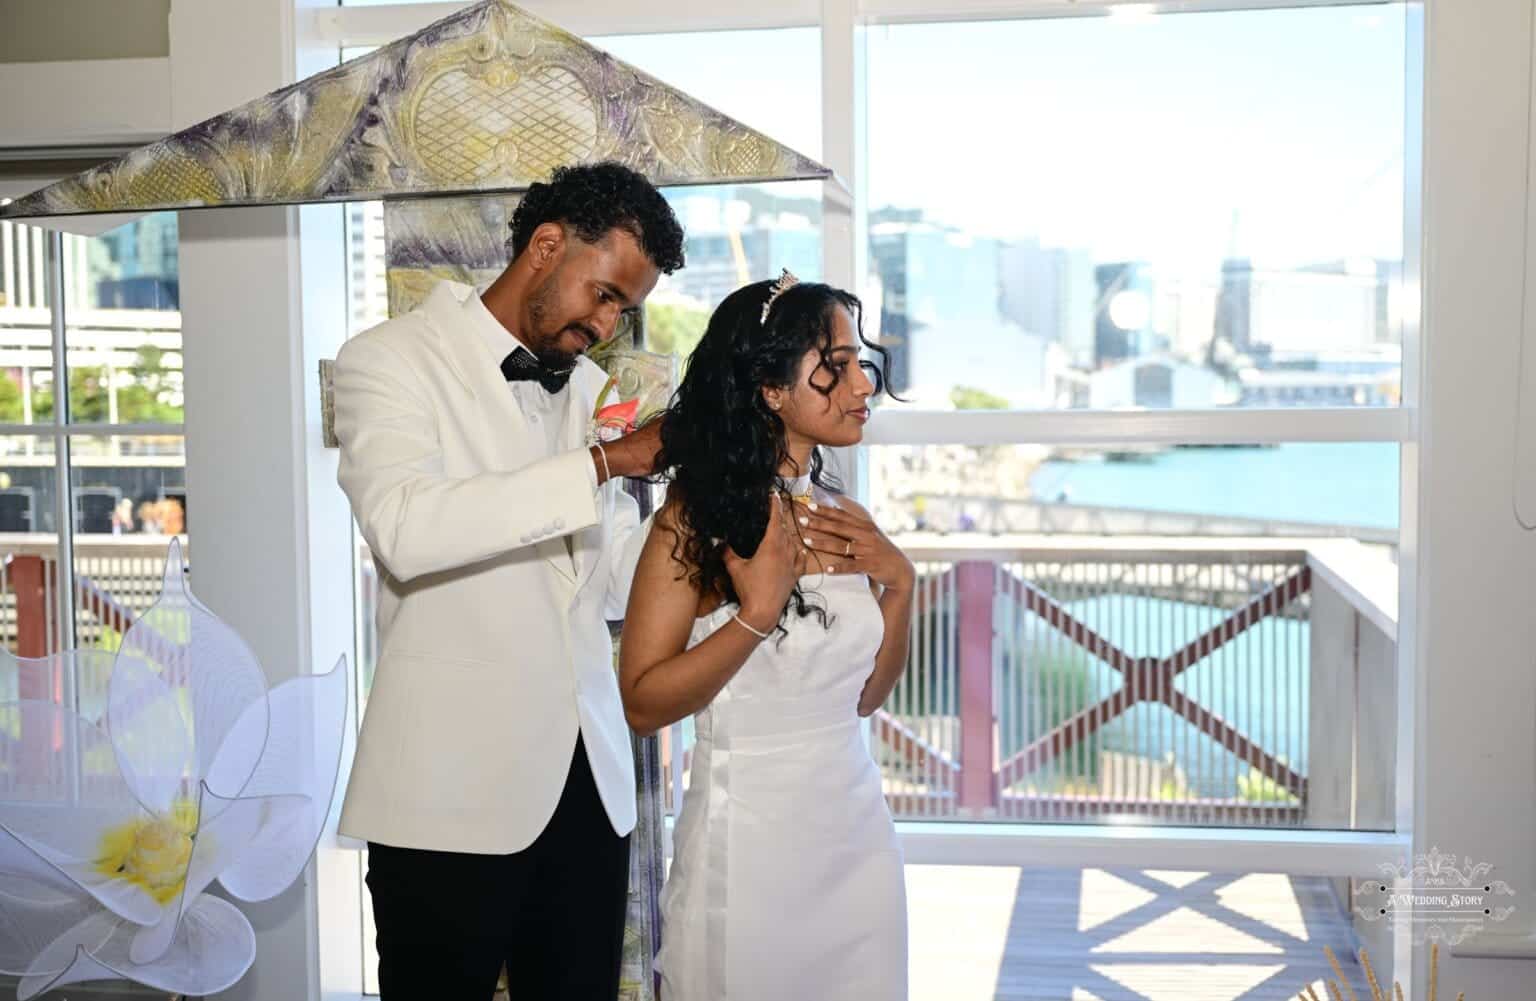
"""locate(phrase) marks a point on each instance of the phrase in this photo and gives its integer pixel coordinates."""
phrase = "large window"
(1124, 215)
(1146, 281)
(1185, 210)
(1058, 221)
(92, 457)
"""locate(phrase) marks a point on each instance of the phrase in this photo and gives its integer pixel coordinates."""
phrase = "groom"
(494, 778)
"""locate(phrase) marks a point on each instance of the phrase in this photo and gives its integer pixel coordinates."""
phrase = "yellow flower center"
(151, 852)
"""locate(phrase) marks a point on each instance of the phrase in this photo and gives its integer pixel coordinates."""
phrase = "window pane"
(1181, 210)
(26, 333)
(123, 324)
(130, 496)
(28, 550)
(1174, 635)
(367, 290)
(736, 234)
(769, 79)
(29, 621)
(129, 485)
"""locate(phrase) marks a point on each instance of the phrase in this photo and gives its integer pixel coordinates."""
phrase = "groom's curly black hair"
(595, 198)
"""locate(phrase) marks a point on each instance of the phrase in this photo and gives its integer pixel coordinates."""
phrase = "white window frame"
(60, 430)
(377, 24)
(841, 23)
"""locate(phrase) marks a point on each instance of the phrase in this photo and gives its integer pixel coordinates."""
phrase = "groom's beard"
(540, 304)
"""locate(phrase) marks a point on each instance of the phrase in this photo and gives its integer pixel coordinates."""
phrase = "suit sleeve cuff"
(571, 491)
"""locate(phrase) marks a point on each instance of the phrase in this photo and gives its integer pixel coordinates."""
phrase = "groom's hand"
(634, 454)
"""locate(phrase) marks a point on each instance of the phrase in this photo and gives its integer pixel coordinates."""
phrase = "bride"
(771, 608)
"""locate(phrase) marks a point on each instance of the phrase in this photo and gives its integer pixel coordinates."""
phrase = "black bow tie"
(521, 365)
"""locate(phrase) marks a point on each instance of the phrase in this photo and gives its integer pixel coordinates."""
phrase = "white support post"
(1474, 728)
(1412, 691)
(323, 303)
(842, 144)
(272, 535)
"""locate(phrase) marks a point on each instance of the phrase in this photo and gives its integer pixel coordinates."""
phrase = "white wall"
(83, 71)
(1476, 639)
(84, 29)
(86, 102)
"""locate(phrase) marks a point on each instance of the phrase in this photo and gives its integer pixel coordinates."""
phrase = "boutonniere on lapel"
(611, 420)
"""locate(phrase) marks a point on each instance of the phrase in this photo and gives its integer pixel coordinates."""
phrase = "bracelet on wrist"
(749, 628)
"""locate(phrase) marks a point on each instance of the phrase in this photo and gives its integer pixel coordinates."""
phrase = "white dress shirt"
(542, 408)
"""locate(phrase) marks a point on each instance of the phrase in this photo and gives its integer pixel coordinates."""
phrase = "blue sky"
(1177, 138)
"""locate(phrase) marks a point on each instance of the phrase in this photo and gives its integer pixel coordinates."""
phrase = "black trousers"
(553, 912)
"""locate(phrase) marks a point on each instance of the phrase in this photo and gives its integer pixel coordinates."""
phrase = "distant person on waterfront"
(122, 517)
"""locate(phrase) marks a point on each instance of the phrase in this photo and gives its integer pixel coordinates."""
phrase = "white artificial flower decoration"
(116, 817)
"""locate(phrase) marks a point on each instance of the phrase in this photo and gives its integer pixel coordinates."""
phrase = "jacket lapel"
(507, 441)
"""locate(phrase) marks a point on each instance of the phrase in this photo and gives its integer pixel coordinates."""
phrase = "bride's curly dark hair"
(722, 445)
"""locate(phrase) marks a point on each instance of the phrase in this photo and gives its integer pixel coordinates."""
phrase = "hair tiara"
(786, 281)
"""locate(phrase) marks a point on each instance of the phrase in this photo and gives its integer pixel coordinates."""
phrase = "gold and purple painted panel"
(490, 99)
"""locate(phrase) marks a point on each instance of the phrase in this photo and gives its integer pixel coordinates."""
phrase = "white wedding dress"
(786, 880)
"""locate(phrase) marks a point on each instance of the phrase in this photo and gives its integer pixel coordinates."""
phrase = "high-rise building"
(24, 268)
(942, 319)
(23, 276)
(1323, 335)
(1050, 292)
(367, 289)
(135, 266)
(1330, 306)
(1124, 320)
(737, 235)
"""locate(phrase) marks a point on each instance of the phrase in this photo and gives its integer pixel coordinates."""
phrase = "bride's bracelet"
(743, 622)
(603, 453)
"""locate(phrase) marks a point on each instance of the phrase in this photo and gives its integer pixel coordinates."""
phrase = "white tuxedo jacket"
(494, 647)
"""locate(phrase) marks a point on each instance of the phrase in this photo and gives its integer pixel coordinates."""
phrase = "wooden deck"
(979, 933)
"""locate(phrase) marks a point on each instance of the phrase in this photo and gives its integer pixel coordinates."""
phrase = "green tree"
(674, 328)
(1054, 688)
(971, 398)
(145, 399)
(10, 400)
(1256, 787)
